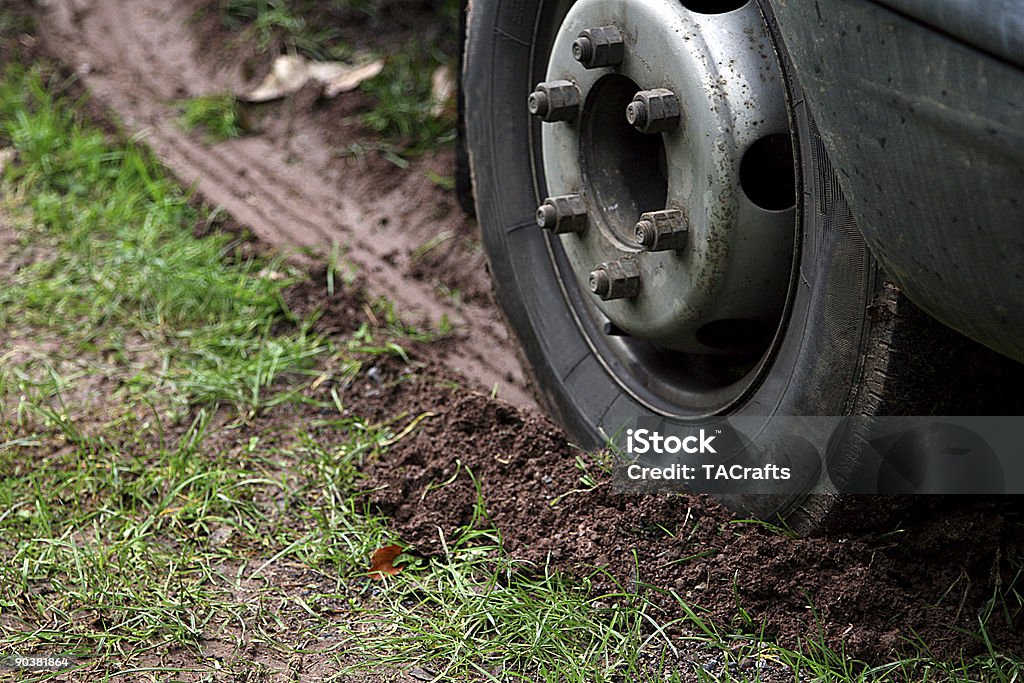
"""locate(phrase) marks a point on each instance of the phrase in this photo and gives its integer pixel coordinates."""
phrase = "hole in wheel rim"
(624, 171)
(767, 176)
(713, 6)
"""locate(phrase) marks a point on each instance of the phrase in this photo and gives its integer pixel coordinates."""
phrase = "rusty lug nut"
(615, 280)
(563, 214)
(597, 47)
(555, 101)
(662, 230)
(654, 111)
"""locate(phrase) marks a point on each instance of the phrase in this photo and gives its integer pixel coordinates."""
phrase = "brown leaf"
(289, 73)
(443, 88)
(381, 559)
(7, 155)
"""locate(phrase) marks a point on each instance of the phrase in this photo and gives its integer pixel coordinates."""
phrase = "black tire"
(463, 178)
(849, 344)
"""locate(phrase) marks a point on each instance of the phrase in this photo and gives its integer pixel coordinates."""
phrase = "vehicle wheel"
(748, 290)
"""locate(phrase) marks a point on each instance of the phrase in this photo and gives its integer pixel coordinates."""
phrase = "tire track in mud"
(139, 59)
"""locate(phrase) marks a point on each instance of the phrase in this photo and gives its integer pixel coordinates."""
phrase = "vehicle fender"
(927, 134)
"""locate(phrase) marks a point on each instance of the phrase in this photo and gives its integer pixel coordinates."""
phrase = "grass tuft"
(403, 109)
(272, 21)
(478, 614)
(218, 115)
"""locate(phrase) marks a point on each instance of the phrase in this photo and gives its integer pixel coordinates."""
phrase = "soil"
(926, 572)
(923, 571)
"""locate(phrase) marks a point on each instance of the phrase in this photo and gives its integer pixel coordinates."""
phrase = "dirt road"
(289, 181)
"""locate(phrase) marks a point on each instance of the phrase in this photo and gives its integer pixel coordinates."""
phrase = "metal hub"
(669, 144)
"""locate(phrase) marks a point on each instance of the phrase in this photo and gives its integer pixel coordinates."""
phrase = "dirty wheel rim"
(673, 153)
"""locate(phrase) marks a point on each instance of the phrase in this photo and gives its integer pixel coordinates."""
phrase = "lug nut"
(665, 230)
(563, 214)
(597, 47)
(615, 280)
(555, 101)
(654, 111)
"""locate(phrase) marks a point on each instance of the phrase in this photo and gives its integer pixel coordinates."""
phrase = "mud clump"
(866, 593)
(335, 312)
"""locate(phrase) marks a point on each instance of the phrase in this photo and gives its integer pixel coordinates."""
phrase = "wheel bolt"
(583, 50)
(615, 280)
(555, 101)
(600, 46)
(654, 111)
(636, 114)
(665, 230)
(563, 214)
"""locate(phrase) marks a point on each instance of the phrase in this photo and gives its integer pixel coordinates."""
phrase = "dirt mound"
(936, 570)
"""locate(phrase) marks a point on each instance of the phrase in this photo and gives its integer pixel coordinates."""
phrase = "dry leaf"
(381, 559)
(290, 72)
(287, 75)
(442, 90)
(339, 78)
(7, 155)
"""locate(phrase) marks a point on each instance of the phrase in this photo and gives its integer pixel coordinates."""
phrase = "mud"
(928, 571)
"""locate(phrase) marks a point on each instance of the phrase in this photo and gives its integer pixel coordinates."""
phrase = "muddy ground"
(867, 593)
(290, 182)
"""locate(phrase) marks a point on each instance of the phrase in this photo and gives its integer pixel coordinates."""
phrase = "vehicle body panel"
(993, 26)
(927, 134)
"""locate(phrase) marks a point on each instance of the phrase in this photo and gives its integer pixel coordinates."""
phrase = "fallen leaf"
(290, 72)
(339, 78)
(7, 155)
(287, 75)
(381, 559)
(422, 674)
(442, 90)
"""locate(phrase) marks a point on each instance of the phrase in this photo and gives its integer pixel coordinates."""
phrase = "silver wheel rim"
(721, 290)
(723, 70)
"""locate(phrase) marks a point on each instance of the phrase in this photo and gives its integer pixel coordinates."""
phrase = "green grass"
(285, 21)
(475, 613)
(116, 547)
(125, 263)
(402, 109)
(110, 504)
(218, 115)
(305, 25)
(129, 532)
